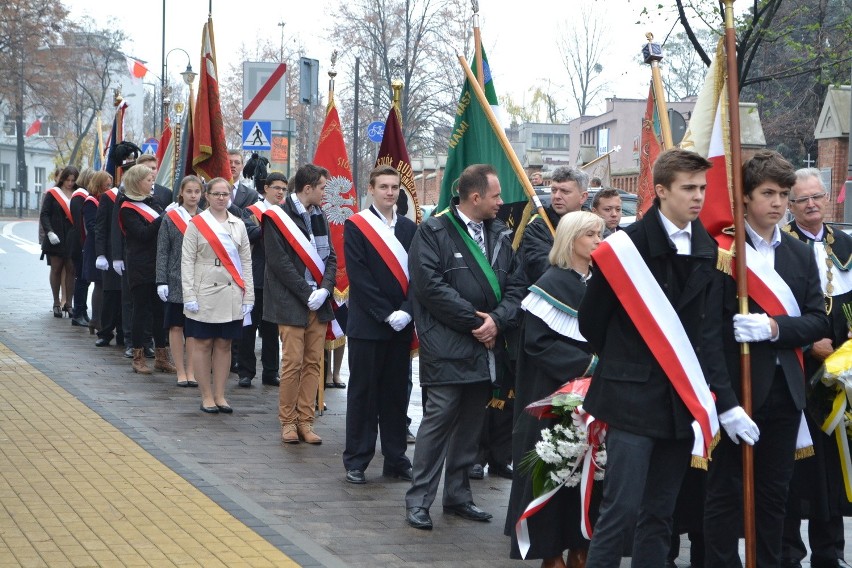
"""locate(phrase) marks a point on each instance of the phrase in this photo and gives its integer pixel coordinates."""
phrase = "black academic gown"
(546, 361)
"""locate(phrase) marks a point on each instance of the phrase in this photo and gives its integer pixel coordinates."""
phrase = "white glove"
(163, 292)
(53, 238)
(737, 424)
(317, 298)
(101, 263)
(752, 327)
(118, 266)
(398, 320)
(191, 307)
(247, 308)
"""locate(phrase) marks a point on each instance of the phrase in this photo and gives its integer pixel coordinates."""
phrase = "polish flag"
(137, 68)
(34, 128)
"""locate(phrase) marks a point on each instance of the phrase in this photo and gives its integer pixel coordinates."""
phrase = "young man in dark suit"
(379, 330)
(638, 394)
(242, 195)
(788, 276)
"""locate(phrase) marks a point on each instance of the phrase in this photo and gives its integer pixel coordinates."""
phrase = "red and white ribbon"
(63, 202)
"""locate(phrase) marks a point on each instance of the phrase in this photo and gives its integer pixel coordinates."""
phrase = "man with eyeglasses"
(816, 491)
(273, 189)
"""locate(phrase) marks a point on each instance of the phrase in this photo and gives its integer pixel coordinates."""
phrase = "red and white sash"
(145, 210)
(112, 194)
(658, 324)
(180, 217)
(89, 199)
(258, 208)
(222, 244)
(80, 192)
(383, 239)
(63, 202)
(306, 252)
(769, 290)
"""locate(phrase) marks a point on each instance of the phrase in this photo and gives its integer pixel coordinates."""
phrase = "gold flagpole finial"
(331, 75)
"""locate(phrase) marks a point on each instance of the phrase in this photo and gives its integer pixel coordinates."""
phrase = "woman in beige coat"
(218, 291)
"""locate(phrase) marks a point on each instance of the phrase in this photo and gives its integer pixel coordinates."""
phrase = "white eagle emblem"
(336, 207)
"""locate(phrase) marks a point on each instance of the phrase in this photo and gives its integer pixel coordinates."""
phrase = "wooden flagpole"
(742, 285)
(504, 142)
(477, 45)
(653, 55)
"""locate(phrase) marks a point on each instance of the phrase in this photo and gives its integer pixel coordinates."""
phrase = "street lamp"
(188, 76)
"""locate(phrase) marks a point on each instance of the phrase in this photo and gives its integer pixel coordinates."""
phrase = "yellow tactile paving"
(75, 491)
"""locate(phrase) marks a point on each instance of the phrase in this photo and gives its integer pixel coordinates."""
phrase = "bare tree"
(582, 48)
(415, 41)
(683, 70)
(26, 26)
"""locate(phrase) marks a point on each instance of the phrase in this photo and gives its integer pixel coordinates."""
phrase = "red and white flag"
(137, 68)
(34, 128)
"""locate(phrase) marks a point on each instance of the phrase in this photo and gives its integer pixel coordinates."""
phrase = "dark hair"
(767, 165)
(607, 193)
(674, 161)
(382, 171)
(596, 182)
(474, 179)
(309, 174)
(186, 180)
(564, 173)
(274, 176)
(67, 172)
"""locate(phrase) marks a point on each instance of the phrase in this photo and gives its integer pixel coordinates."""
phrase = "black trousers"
(377, 399)
(247, 362)
(81, 290)
(774, 454)
(146, 301)
(111, 316)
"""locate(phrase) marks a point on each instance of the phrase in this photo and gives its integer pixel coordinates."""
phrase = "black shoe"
(102, 342)
(409, 437)
(468, 511)
(209, 409)
(235, 368)
(271, 381)
(57, 311)
(128, 353)
(403, 474)
(225, 409)
(244, 382)
(339, 385)
(149, 352)
(476, 472)
(356, 476)
(79, 322)
(791, 564)
(418, 517)
(504, 471)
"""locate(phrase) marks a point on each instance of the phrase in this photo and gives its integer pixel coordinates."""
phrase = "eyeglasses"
(804, 199)
(219, 195)
(277, 187)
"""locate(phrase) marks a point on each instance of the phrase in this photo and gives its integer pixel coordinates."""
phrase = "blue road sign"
(376, 131)
(257, 135)
(150, 146)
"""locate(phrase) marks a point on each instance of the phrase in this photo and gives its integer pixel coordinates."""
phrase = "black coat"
(103, 241)
(162, 196)
(76, 236)
(141, 244)
(629, 389)
(374, 292)
(796, 265)
(89, 216)
(285, 301)
(546, 361)
(536, 244)
(448, 288)
(816, 490)
(258, 252)
(53, 218)
(245, 196)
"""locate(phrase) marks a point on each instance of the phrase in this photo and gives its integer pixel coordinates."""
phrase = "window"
(38, 183)
(547, 141)
(4, 183)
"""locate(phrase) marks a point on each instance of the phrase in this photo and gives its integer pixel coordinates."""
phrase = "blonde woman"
(140, 218)
(552, 352)
(218, 291)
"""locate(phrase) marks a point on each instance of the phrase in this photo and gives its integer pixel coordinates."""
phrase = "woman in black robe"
(552, 353)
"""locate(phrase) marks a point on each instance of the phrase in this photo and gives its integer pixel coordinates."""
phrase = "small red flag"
(34, 128)
(393, 152)
(137, 68)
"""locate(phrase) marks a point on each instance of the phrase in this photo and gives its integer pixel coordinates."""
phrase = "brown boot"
(162, 362)
(139, 364)
(307, 435)
(288, 434)
(577, 558)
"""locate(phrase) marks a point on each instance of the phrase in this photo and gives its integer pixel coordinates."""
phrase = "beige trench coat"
(206, 281)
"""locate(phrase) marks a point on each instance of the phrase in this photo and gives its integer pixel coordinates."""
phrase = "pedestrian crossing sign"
(257, 135)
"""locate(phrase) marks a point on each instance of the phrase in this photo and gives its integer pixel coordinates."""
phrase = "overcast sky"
(521, 42)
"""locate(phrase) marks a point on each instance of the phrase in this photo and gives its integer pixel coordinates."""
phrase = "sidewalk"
(142, 470)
